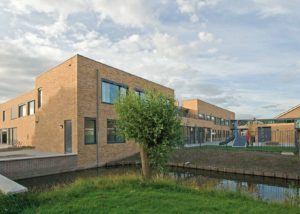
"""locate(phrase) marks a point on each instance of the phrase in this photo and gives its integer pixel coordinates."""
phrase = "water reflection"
(267, 189)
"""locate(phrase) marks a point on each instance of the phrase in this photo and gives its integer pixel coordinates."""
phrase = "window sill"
(116, 142)
(106, 103)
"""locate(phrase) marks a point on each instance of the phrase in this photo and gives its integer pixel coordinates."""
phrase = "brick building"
(204, 122)
(70, 111)
(283, 130)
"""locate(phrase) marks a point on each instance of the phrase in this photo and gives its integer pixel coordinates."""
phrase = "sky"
(240, 55)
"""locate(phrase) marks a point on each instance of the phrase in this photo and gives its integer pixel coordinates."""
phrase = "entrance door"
(4, 136)
(264, 134)
(68, 136)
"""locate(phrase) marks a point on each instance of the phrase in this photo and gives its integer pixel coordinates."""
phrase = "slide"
(239, 140)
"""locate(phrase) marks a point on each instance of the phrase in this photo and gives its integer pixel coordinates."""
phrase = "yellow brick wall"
(282, 133)
(198, 106)
(87, 102)
(295, 113)
(59, 104)
(25, 125)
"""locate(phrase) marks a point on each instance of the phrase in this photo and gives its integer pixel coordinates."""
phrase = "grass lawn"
(129, 194)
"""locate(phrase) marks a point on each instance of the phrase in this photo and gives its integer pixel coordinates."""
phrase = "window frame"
(114, 129)
(119, 85)
(28, 107)
(40, 97)
(139, 92)
(24, 113)
(95, 130)
(3, 116)
(201, 116)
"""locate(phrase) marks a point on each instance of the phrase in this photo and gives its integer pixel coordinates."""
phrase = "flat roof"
(197, 99)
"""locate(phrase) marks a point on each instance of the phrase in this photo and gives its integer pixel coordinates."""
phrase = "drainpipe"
(97, 119)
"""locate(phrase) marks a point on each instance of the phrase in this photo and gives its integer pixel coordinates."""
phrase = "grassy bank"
(129, 194)
(277, 149)
(239, 159)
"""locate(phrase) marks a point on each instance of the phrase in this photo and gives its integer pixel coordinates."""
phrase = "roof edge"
(291, 109)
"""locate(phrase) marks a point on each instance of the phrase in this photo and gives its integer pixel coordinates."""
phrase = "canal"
(267, 189)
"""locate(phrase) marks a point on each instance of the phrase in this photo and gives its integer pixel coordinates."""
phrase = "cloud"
(269, 8)
(54, 7)
(205, 37)
(130, 13)
(202, 49)
(192, 7)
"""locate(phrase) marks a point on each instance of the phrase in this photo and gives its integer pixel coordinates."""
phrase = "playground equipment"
(239, 139)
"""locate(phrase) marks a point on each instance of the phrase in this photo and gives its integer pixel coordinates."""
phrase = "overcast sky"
(241, 55)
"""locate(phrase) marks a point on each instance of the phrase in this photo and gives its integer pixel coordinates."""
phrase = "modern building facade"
(205, 123)
(283, 130)
(70, 111)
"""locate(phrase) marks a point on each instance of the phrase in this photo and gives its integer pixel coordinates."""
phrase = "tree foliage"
(152, 121)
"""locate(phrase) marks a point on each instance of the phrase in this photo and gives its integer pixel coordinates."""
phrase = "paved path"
(8, 186)
(4, 146)
(24, 153)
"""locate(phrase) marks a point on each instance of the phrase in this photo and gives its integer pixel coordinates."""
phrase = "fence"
(268, 137)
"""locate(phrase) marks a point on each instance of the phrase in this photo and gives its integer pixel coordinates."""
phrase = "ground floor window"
(112, 133)
(193, 135)
(90, 131)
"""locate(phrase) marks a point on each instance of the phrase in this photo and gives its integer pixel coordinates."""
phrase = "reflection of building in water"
(261, 191)
(251, 187)
(273, 193)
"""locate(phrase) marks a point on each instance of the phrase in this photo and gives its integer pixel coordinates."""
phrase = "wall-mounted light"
(61, 126)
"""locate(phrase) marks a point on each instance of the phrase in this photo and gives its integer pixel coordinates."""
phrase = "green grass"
(130, 194)
(250, 148)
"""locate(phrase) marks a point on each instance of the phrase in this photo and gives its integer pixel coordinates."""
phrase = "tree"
(153, 122)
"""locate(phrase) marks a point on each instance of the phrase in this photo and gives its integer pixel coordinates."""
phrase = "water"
(267, 189)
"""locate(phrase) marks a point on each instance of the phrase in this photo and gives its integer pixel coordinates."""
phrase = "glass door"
(68, 136)
(14, 136)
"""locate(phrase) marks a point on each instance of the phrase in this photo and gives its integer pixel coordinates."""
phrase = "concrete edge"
(279, 175)
(8, 186)
(37, 157)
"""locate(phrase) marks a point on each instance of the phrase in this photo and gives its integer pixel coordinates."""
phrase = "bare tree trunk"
(145, 163)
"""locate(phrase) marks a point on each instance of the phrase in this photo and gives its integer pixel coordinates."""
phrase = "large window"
(111, 91)
(22, 110)
(112, 133)
(201, 116)
(218, 121)
(90, 131)
(139, 93)
(40, 97)
(31, 106)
